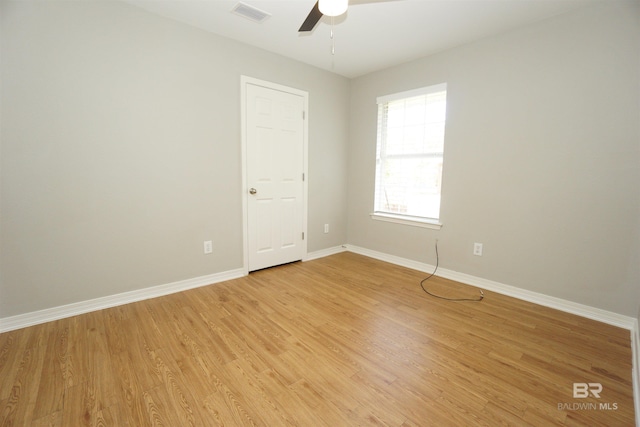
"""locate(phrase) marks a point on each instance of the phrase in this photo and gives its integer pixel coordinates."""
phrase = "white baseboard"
(42, 316)
(325, 252)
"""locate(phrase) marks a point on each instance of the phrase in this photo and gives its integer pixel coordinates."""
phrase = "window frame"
(412, 220)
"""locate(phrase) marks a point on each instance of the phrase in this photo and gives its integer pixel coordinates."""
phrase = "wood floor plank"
(51, 420)
(20, 403)
(343, 340)
(129, 390)
(174, 392)
(50, 395)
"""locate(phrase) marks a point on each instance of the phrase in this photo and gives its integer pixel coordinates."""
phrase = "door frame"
(244, 81)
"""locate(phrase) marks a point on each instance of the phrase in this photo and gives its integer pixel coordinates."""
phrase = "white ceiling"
(372, 35)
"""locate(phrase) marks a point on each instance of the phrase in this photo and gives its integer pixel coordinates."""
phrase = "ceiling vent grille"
(250, 12)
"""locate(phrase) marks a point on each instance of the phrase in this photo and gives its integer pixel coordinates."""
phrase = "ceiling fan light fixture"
(333, 7)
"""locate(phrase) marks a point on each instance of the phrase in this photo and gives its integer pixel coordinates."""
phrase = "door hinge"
(303, 235)
(303, 176)
(304, 115)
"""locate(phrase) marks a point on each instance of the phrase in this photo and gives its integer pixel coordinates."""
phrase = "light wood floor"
(340, 341)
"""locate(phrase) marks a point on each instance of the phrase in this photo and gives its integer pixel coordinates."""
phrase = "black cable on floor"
(480, 298)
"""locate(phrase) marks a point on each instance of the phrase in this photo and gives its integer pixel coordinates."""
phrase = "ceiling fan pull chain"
(333, 43)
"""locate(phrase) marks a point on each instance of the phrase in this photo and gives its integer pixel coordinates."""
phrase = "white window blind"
(410, 153)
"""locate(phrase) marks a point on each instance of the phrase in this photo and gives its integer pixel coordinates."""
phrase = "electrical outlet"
(477, 249)
(208, 247)
(326, 228)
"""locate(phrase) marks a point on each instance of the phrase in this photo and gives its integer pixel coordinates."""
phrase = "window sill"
(406, 220)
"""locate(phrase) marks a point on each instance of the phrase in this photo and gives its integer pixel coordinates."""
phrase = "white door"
(274, 121)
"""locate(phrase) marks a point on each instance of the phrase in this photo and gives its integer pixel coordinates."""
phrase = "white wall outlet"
(326, 228)
(208, 247)
(477, 249)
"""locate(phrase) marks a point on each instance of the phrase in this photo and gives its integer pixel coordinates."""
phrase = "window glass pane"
(411, 186)
(414, 139)
(436, 107)
(410, 154)
(415, 111)
(395, 114)
(434, 138)
(395, 141)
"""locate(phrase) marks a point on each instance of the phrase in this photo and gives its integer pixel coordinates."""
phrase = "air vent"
(250, 12)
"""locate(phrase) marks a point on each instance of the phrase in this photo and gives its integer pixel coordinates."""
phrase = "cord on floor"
(480, 298)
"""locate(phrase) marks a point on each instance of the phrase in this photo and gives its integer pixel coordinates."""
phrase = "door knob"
(252, 191)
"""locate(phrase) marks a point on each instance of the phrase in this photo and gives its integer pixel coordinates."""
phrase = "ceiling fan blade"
(312, 19)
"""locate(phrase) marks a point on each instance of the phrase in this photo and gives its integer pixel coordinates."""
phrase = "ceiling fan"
(329, 8)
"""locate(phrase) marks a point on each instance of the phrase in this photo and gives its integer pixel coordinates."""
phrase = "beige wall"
(121, 151)
(542, 158)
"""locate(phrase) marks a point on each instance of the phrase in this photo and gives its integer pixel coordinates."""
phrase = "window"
(410, 156)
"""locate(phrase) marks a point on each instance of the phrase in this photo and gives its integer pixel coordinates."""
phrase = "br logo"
(583, 390)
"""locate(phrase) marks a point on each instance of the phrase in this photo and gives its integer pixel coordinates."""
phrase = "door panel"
(275, 164)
